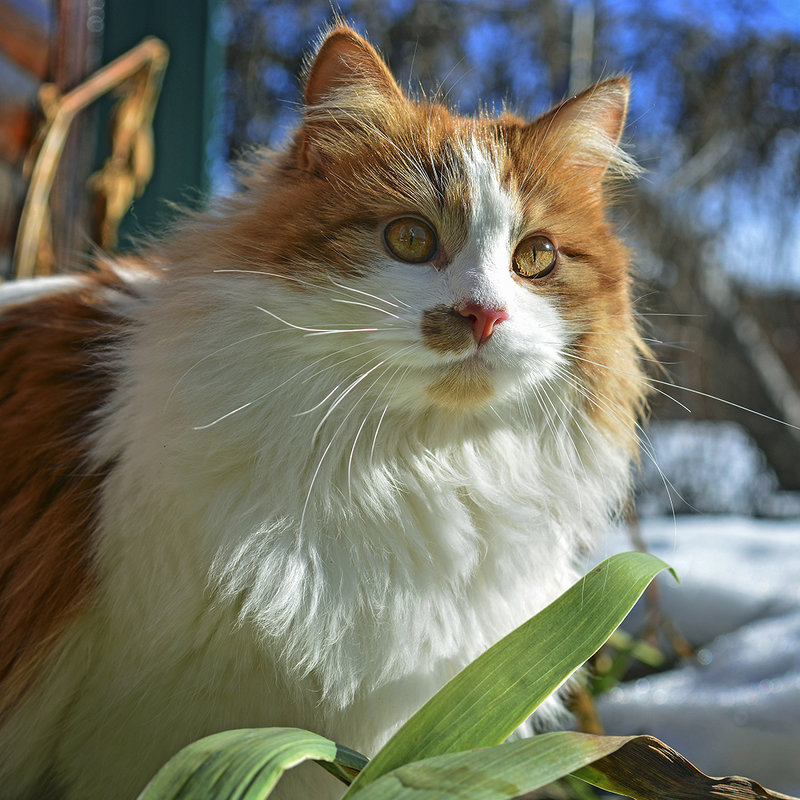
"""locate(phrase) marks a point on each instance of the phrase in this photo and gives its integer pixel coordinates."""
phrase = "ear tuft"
(605, 105)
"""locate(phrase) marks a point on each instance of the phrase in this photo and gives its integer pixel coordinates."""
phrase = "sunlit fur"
(268, 477)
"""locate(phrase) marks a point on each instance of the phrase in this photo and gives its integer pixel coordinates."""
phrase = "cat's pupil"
(411, 235)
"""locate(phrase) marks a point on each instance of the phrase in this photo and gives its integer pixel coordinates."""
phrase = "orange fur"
(51, 382)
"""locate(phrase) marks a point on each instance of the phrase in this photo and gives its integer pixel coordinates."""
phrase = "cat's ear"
(347, 84)
(346, 62)
(588, 128)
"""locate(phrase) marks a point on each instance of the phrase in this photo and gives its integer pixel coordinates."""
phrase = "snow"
(710, 468)
(735, 708)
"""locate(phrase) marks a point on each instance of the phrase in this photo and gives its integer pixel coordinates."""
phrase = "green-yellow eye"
(410, 239)
(535, 257)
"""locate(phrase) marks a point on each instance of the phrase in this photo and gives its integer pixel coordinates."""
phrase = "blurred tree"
(721, 141)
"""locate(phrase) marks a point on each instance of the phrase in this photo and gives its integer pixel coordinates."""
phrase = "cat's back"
(56, 336)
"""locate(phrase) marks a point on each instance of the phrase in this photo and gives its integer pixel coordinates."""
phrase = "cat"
(304, 459)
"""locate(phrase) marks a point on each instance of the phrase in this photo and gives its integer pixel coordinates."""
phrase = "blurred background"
(714, 222)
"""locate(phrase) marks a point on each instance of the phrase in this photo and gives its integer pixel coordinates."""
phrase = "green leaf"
(492, 773)
(246, 764)
(485, 702)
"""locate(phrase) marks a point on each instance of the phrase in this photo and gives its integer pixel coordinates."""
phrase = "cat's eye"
(410, 239)
(535, 257)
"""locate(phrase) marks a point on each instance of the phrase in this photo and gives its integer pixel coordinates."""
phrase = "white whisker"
(364, 421)
(338, 385)
(316, 331)
(367, 294)
(601, 401)
(311, 285)
(366, 305)
(224, 416)
(401, 303)
(211, 355)
(341, 330)
(333, 437)
(321, 403)
(343, 395)
(649, 380)
(274, 388)
(696, 392)
(385, 409)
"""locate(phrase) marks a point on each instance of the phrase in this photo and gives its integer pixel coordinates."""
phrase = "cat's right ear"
(348, 85)
(587, 130)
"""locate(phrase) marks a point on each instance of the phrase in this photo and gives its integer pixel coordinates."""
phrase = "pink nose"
(482, 320)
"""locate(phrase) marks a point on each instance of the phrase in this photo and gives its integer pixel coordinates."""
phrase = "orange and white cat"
(308, 457)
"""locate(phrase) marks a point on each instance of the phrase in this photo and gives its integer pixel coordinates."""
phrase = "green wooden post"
(190, 99)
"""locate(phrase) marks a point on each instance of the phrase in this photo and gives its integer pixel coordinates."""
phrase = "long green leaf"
(245, 764)
(492, 773)
(485, 702)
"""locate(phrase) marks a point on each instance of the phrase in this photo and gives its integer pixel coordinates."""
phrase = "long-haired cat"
(303, 461)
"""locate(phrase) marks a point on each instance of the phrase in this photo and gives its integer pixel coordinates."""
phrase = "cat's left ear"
(347, 84)
(588, 127)
(346, 62)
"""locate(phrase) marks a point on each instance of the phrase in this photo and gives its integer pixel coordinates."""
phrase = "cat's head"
(474, 254)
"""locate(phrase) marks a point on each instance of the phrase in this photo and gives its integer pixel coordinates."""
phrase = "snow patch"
(734, 709)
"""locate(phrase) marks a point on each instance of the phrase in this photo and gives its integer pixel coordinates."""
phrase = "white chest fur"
(339, 609)
(258, 568)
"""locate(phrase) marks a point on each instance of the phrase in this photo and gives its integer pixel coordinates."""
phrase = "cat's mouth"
(463, 386)
(471, 378)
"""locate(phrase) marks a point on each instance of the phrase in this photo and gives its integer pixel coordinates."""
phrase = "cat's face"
(462, 268)
(474, 254)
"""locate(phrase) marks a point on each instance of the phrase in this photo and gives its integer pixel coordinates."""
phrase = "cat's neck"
(209, 394)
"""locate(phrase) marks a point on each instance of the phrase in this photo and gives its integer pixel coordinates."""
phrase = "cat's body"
(291, 469)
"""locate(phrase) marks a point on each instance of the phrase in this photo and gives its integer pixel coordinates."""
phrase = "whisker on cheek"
(366, 305)
(287, 381)
(645, 444)
(316, 331)
(336, 432)
(344, 394)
